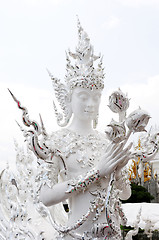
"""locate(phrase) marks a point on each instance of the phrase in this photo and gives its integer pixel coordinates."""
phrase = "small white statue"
(79, 165)
(89, 158)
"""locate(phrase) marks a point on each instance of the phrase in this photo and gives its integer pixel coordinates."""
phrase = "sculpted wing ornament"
(41, 151)
(32, 134)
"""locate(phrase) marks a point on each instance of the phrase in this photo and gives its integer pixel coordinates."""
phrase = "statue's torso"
(81, 154)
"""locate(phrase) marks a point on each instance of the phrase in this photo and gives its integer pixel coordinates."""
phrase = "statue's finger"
(116, 150)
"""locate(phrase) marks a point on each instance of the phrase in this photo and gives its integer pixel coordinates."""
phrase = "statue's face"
(85, 103)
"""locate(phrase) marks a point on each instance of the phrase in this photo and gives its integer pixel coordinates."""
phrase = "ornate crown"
(80, 74)
(83, 73)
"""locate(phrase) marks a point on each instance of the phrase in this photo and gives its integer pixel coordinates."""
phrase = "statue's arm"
(52, 191)
(51, 196)
(64, 190)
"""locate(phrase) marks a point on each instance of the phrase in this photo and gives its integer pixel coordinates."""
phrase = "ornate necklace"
(86, 148)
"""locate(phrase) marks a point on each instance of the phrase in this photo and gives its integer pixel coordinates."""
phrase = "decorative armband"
(82, 182)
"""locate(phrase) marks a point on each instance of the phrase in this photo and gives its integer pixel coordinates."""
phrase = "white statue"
(77, 164)
(89, 159)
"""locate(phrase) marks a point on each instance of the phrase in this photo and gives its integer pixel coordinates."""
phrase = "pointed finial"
(50, 74)
(79, 24)
(42, 126)
(12, 95)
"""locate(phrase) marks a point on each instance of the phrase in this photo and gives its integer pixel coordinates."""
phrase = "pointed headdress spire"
(83, 73)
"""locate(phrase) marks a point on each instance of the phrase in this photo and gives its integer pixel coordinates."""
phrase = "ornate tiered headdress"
(81, 73)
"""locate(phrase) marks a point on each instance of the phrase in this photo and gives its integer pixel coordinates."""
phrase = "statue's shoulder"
(61, 138)
(59, 135)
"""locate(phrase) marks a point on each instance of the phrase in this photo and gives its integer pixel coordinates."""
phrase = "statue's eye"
(96, 97)
(83, 97)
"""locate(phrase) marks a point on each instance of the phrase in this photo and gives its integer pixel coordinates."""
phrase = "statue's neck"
(81, 126)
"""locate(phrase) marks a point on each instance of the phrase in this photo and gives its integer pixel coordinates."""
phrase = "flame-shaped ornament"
(41, 151)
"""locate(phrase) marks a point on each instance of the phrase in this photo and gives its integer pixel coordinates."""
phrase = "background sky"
(35, 35)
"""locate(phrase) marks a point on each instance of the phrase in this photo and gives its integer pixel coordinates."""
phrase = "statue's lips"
(90, 112)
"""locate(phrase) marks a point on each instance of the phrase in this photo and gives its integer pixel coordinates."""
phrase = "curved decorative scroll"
(41, 151)
(112, 202)
(136, 227)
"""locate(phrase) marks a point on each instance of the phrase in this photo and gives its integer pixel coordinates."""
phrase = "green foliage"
(139, 194)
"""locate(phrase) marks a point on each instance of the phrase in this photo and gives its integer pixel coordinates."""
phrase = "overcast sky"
(35, 35)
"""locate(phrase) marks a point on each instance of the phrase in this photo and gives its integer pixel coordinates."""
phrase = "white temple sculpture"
(76, 165)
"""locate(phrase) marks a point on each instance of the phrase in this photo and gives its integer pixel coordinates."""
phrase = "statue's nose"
(90, 103)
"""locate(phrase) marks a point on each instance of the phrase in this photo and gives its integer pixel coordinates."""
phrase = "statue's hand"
(116, 157)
